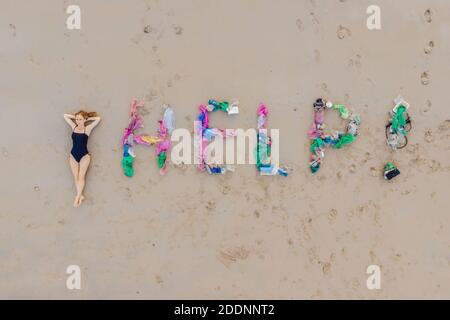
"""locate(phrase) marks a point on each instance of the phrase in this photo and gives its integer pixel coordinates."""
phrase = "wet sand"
(188, 235)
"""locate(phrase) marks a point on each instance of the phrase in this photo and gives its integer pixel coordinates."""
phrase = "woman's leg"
(84, 165)
(75, 166)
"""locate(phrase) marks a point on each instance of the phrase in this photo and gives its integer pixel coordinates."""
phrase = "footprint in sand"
(343, 32)
(428, 15)
(151, 95)
(178, 30)
(229, 256)
(316, 55)
(299, 24)
(210, 205)
(356, 62)
(148, 29)
(332, 215)
(326, 268)
(374, 172)
(13, 29)
(373, 256)
(428, 136)
(314, 19)
(429, 47)
(226, 190)
(324, 87)
(443, 129)
(425, 78)
(434, 166)
(427, 108)
(445, 125)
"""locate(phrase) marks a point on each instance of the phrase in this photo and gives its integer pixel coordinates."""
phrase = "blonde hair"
(85, 114)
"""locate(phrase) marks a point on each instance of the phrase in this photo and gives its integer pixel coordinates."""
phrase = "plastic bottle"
(261, 121)
(233, 107)
(169, 118)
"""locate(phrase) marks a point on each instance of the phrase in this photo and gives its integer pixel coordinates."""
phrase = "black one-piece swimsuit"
(79, 149)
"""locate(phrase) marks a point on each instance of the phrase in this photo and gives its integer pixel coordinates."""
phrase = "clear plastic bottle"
(169, 118)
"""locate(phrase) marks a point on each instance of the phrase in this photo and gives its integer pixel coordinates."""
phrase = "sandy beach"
(189, 235)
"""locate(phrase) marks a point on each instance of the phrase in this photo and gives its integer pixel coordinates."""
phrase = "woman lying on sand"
(80, 158)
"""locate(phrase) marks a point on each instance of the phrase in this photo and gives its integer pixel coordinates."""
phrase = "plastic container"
(169, 118)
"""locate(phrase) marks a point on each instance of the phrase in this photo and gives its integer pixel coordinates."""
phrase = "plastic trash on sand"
(206, 134)
(128, 137)
(233, 107)
(169, 118)
(127, 164)
(166, 126)
(338, 139)
(263, 147)
(162, 140)
(400, 101)
(218, 169)
(390, 171)
(399, 124)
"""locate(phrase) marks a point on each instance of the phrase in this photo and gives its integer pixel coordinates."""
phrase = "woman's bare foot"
(80, 200)
(76, 201)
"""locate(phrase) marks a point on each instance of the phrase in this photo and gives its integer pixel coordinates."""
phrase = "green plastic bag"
(343, 111)
(314, 168)
(344, 140)
(315, 144)
(162, 159)
(262, 150)
(127, 164)
(224, 106)
(399, 121)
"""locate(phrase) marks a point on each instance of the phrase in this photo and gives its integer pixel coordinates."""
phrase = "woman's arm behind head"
(95, 121)
(70, 120)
